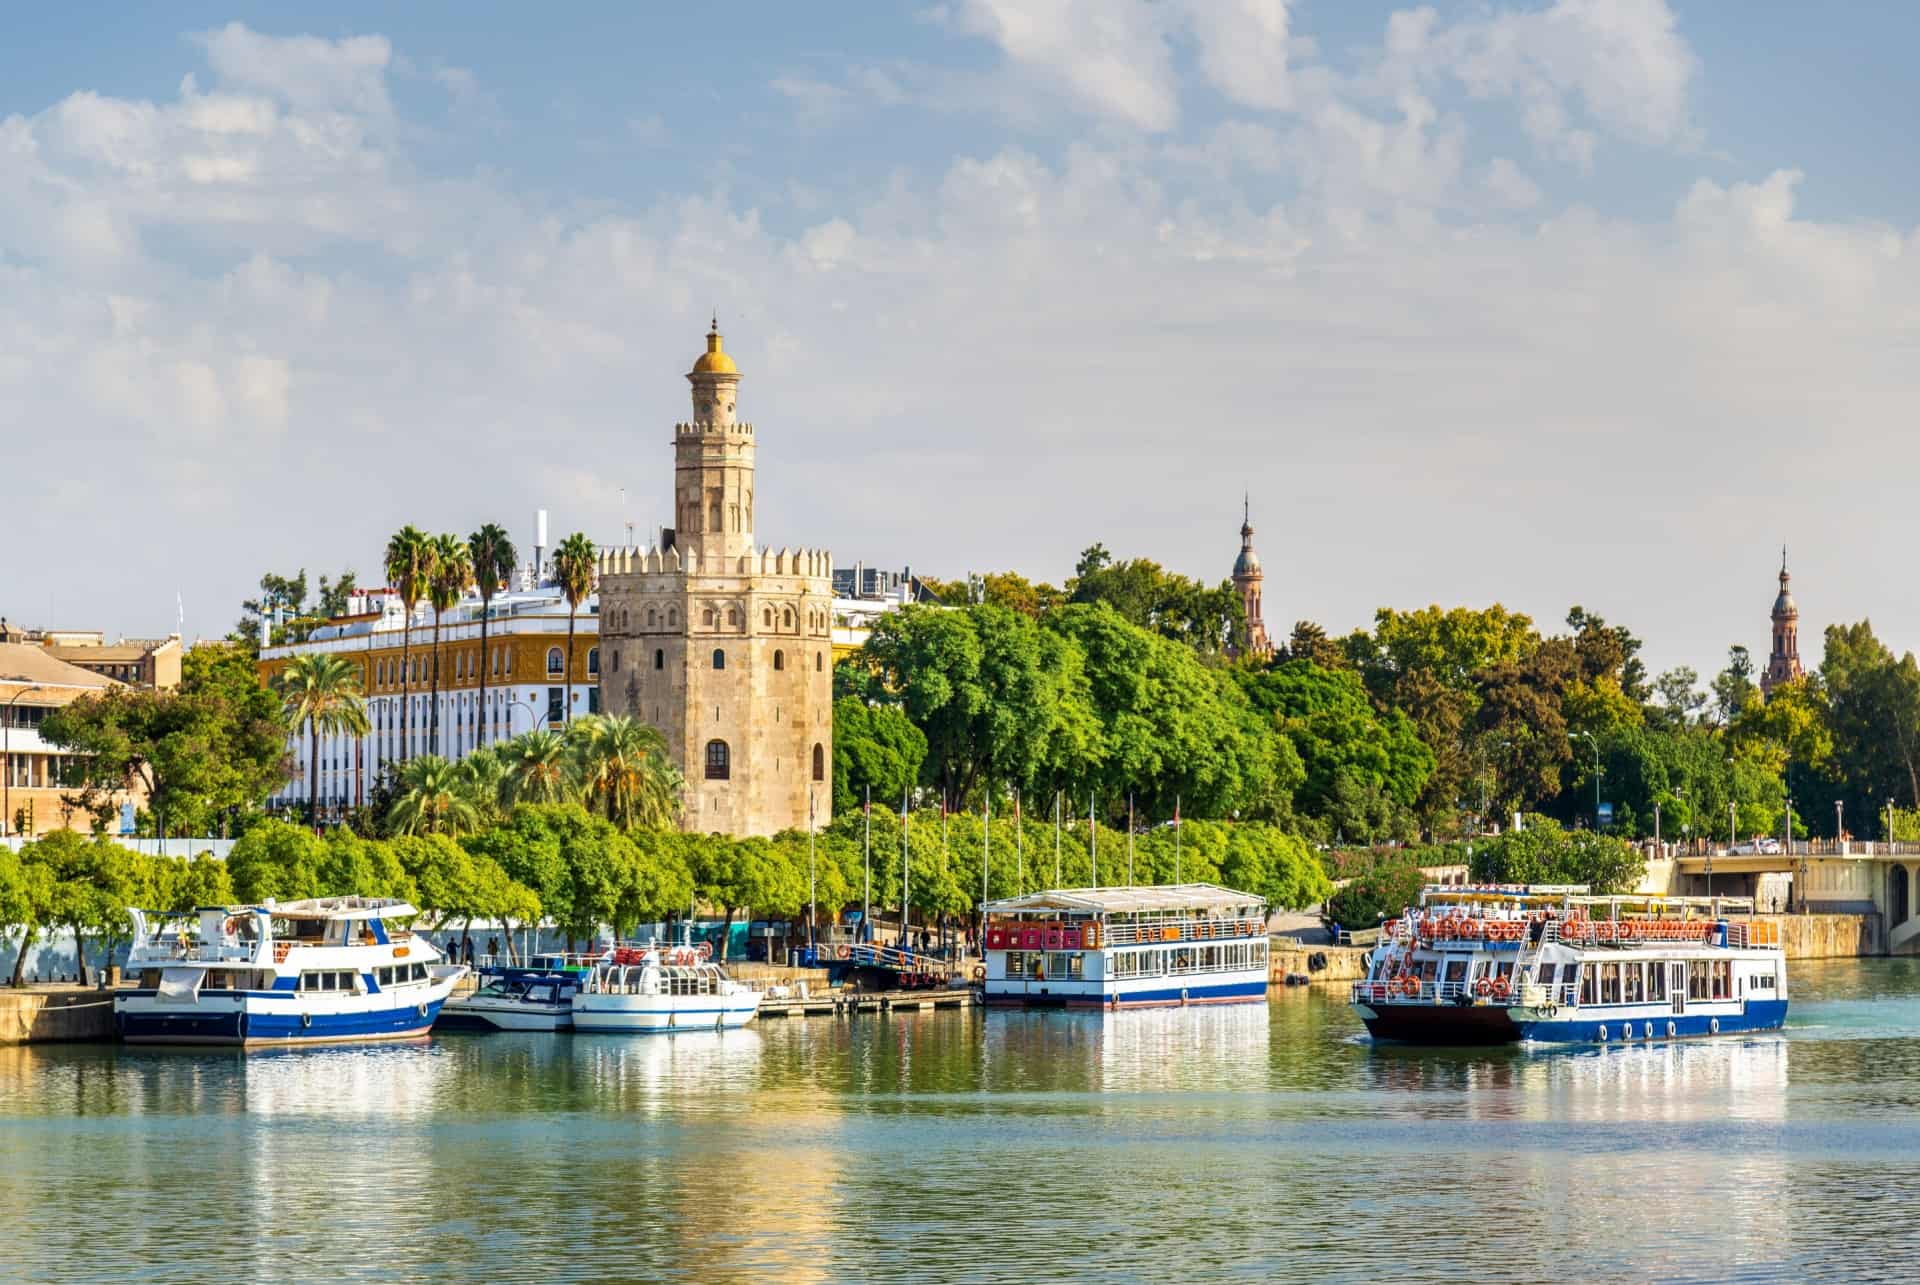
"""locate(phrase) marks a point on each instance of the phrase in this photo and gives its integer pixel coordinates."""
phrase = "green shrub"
(1379, 894)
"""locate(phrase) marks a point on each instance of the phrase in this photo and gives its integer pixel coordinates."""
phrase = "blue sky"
(1591, 301)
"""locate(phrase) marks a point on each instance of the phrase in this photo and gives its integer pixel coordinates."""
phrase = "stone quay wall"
(50, 1014)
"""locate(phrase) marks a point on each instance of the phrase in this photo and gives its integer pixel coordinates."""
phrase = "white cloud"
(1436, 377)
(307, 71)
(1107, 56)
(1243, 49)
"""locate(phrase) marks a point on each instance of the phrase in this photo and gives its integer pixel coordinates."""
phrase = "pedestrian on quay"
(493, 947)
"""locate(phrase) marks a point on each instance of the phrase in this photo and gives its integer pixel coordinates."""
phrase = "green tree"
(1874, 717)
(1170, 728)
(621, 766)
(1363, 769)
(998, 697)
(1209, 619)
(276, 859)
(26, 905)
(409, 567)
(1543, 852)
(875, 747)
(574, 565)
(213, 746)
(493, 557)
(433, 799)
(1733, 687)
(1378, 895)
(1455, 644)
(93, 883)
(322, 691)
(452, 573)
(540, 768)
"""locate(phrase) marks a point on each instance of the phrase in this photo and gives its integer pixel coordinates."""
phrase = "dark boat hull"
(1439, 1023)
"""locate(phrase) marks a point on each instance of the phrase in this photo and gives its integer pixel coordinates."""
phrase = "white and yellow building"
(33, 684)
(527, 683)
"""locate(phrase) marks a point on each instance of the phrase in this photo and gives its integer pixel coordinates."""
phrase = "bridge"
(1825, 876)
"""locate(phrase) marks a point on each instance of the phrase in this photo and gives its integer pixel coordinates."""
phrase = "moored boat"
(535, 996)
(659, 990)
(1500, 964)
(1112, 948)
(301, 972)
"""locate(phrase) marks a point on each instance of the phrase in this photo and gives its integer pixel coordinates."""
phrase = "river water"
(1267, 1141)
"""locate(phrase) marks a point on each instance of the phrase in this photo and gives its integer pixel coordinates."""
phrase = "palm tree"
(409, 566)
(433, 799)
(322, 691)
(494, 559)
(539, 768)
(484, 775)
(573, 567)
(452, 573)
(621, 764)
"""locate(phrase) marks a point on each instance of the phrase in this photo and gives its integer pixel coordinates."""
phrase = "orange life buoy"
(232, 925)
(843, 952)
(1483, 988)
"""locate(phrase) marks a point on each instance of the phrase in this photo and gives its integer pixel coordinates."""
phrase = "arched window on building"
(779, 659)
(659, 658)
(556, 662)
(766, 617)
(733, 616)
(719, 658)
(819, 662)
(593, 660)
(653, 617)
(819, 762)
(673, 617)
(786, 618)
(708, 617)
(616, 660)
(719, 761)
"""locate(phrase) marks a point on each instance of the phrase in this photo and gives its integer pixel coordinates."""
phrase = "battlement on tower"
(638, 560)
(701, 430)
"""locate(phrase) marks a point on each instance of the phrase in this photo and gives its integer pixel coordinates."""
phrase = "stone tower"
(1246, 578)
(724, 646)
(1783, 665)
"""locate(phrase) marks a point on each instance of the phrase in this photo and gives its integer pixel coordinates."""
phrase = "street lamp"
(533, 715)
(6, 756)
(1596, 777)
(1839, 813)
(1889, 825)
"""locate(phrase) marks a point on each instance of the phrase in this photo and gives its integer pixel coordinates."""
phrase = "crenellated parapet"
(707, 429)
(811, 564)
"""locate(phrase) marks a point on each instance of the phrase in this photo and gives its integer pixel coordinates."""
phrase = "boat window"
(1456, 970)
(1016, 963)
(1657, 980)
(1586, 981)
(1609, 983)
(1722, 979)
(1632, 988)
(1429, 969)
(1696, 979)
(1547, 973)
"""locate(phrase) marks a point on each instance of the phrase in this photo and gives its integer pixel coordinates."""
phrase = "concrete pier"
(49, 1014)
(845, 1003)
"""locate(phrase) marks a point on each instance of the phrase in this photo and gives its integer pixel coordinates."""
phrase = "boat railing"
(1179, 929)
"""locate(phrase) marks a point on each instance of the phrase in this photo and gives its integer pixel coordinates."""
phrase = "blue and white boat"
(656, 990)
(302, 972)
(1110, 948)
(1554, 965)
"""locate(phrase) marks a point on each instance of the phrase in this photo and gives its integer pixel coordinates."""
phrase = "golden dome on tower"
(714, 361)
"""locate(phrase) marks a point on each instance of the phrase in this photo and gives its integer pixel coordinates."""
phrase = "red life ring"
(704, 950)
(843, 952)
(1483, 988)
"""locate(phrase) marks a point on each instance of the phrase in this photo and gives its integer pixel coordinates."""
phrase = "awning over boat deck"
(1179, 898)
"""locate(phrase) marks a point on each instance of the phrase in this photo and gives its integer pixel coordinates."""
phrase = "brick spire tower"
(1783, 666)
(1246, 578)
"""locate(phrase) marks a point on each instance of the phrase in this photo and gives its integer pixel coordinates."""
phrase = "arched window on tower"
(766, 617)
(659, 658)
(779, 659)
(719, 658)
(708, 617)
(786, 618)
(719, 761)
(593, 660)
(733, 616)
(819, 662)
(673, 617)
(653, 617)
(819, 761)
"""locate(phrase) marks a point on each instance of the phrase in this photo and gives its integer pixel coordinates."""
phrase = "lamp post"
(1596, 777)
(1656, 827)
(1889, 825)
(1839, 815)
(6, 760)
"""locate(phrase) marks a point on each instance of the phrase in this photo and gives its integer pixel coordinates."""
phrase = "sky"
(1542, 304)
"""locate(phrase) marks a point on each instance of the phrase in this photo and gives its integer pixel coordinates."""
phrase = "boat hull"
(1194, 992)
(1482, 1024)
(234, 1025)
(463, 1016)
(655, 1015)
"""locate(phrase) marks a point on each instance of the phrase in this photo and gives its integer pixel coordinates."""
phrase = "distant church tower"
(725, 647)
(1246, 578)
(1783, 666)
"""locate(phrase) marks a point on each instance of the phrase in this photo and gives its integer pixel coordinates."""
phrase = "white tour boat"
(1193, 943)
(661, 989)
(1493, 965)
(316, 971)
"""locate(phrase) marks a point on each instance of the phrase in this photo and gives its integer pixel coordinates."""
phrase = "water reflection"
(1212, 1143)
